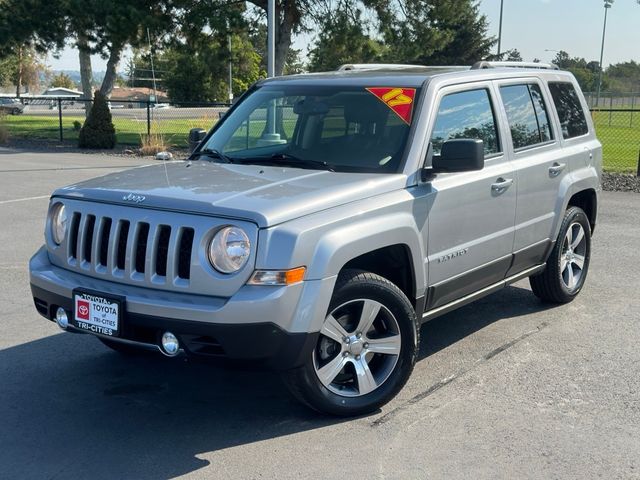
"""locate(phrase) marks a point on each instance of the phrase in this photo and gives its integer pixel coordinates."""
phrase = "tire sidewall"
(393, 299)
(573, 215)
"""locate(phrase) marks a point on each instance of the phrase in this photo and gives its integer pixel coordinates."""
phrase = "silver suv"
(326, 217)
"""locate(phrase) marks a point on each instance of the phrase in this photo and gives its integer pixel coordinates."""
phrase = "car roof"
(409, 76)
(373, 78)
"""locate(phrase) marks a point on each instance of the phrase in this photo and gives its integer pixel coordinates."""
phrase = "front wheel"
(567, 266)
(366, 349)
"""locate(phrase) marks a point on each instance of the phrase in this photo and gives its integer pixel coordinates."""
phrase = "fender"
(576, 181)
(326, 241)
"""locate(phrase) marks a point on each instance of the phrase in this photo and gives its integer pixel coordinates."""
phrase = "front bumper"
(278, 325)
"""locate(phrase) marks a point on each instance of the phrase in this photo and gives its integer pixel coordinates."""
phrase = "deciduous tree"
(62, 80)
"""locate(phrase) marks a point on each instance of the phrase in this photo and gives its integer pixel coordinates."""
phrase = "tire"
(348, 374)
(123, 348)
(16, 111)
(567, 266)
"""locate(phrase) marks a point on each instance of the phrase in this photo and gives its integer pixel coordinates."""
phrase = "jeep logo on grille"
(134, 198)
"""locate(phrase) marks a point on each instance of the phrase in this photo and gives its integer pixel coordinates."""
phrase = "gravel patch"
(620, 182)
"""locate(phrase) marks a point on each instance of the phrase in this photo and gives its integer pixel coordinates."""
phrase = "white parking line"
(2, 202)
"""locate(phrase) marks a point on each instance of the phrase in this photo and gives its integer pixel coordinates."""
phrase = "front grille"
(135, 250)
(148, 248)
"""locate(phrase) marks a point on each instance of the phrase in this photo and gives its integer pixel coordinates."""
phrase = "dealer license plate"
(97, 313)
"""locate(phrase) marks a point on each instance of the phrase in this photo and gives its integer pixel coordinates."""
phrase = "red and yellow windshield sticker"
(400, 100)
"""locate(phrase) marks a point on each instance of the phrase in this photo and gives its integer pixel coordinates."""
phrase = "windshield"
(352, 129)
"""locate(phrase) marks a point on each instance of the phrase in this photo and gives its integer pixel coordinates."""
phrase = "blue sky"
(531, 26)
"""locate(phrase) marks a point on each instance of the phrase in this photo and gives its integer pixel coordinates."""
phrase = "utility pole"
(230, 72)
(500, 28)
(270, 135)
(153, 71)
(271, 38)
(607, 6)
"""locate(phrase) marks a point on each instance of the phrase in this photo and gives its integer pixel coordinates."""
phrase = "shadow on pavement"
(70, 408)
(509, 302)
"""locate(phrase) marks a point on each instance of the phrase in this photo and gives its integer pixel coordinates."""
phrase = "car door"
(471, 219)
(540, 168)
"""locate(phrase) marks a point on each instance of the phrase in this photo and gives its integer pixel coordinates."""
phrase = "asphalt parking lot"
(504, 388)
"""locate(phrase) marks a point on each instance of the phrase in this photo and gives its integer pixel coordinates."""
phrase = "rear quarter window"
(572, 119)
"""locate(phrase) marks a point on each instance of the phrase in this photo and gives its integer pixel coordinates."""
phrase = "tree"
(258, 37)
(98, 130)
(62, 80)
(32, 25)
(437, 32)
(467, 30)
(624, 76)
(290, 15)
(342, 39)
(22, 69)
(198, 71)
(513, 55)
(586, 73)
(104, 27)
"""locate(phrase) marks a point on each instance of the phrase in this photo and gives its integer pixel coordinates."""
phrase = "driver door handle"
(556, 168)
(501, 184)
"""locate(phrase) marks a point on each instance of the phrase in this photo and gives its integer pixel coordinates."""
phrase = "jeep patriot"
(326, 216)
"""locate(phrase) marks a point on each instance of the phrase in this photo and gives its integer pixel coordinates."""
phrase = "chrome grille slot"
(184, 253)
(87, 238)
(162, 249)
(103, 241)
(121, 247)
(72, 247)
(140, 247)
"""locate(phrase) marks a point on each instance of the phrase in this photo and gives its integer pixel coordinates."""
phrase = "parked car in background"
(11, 106)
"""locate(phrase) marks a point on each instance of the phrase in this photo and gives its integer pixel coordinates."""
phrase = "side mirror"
(460, 155)
(195, 137)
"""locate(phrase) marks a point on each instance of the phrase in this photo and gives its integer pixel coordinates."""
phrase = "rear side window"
(527, 115)
(466, 115)
(572, 119)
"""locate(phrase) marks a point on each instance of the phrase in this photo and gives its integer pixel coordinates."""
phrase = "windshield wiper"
(290, 160)
(212, 152)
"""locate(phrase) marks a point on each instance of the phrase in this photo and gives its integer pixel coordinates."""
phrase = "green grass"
(619, 133)
(128, 130)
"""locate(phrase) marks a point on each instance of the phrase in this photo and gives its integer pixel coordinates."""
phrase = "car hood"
(266, 195)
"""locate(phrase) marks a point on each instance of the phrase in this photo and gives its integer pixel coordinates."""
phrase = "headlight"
(229, 250)
(58, 223)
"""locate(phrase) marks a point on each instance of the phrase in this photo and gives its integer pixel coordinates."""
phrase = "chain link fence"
(616, 116)
(60, 119)
(617, 123)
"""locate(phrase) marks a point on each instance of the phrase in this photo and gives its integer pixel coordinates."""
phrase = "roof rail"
(393, 66)
(485, 64)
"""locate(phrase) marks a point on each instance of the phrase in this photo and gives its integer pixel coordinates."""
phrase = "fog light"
(170, 344)
(61, 318)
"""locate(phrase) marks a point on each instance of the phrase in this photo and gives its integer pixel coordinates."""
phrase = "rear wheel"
(15, 111)
(567, 266)
(366, 349)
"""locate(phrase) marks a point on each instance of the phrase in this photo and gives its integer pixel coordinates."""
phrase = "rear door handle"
(501, 185)
(556, 168)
